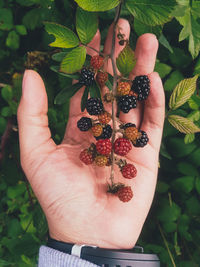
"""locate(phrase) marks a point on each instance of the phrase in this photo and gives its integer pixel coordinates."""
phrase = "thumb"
(34, 134)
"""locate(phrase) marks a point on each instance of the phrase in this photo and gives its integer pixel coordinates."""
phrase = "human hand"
(73, 195)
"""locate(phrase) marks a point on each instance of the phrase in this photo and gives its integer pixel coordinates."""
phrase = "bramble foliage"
(172, 227)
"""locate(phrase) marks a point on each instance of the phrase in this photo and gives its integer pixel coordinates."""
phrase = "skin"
(73, 195)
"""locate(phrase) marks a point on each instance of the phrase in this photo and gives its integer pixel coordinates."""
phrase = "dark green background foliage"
(172, 228)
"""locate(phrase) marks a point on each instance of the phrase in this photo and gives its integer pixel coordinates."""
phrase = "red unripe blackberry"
(142, 140)
(96, 62)
(97, 130)
(86, 77)
(104, 146)
(94, 106)
(129, 171)
(141, 85)
(101, 78)
(107, 132)
(101, 160)
(122, 146)
(84, 124)
(86, 157)
(104, 118)
(123, 88)
(126, 103)
(125, 193)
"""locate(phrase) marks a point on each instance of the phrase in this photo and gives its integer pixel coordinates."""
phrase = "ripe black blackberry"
(107, 132)
(141, 86)
(84, 124)
(126, 103)
(141, 141)
(87, 77)
(94, 106)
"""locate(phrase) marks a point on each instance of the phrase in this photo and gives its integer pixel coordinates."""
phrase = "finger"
(145, 54)
(34, 133)
(154, 111)
(124, 27)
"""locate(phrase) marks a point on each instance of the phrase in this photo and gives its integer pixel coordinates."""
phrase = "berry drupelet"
(141, 85)
(142, 140)
(126, 103)
(94, 106)
(107, 132)
(84, 124)
(86, 77)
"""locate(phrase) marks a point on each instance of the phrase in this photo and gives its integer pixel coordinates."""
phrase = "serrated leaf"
(86, 25)
(94, 90)
(163, 40)
(184, 184)
(189, 138)
(65, 38)
(59, 56)
(183, 125)
(194, 115)
(126, 61)
(74, 76)
(182, 92)
(97, 5)
(74, 60)
(141, 28)
(154, 12)
(67, 93)
(84, 98)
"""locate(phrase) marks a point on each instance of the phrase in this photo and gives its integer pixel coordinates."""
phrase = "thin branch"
(5, 137)
(167, 246)
(92, 48)
(114, 88)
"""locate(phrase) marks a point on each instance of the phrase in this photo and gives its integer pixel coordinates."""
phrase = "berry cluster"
(112, 143)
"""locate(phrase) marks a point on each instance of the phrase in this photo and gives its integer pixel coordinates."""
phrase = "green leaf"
(187, 168)
(126, 61)
(2, 125)
(169, 212)
(97, 5)
(74, 76)
(189, 138)
(190, 29)
(194, 115)
(162, 69)
(32, 19)
(183, 184)
(65, 38)
(7, 93)
(141, 28)
(86, 25)
(13, 40)
(192, 104)
(6, 112)
(182, 124)
(197, 184)
(94, 90)
(84, 98)
(74, 60)
(162, 187)
(174, 78)
(163, 40)
(59, 56)
(154, 12)
(21, 29)
(182, 92)
(109, 82)
(67, 93)
(6, 19)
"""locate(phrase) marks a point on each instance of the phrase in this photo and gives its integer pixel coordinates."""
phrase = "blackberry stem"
(114, 88)
(92, 48)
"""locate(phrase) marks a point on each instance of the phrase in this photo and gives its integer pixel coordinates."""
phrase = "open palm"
(73, 195)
